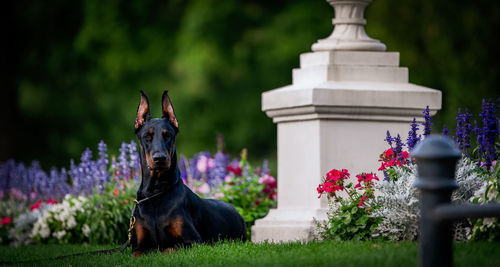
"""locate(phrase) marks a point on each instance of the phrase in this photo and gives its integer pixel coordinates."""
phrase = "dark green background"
(73, 69)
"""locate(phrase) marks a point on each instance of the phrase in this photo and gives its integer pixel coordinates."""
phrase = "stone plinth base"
(293, 225)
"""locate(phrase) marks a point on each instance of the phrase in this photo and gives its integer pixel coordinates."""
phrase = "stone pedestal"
(335, 115)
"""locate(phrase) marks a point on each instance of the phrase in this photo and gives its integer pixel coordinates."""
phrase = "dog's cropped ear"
(143, 113)
(167, 110)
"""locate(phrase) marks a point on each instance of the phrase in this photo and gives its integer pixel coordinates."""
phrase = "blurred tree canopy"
(73, 69)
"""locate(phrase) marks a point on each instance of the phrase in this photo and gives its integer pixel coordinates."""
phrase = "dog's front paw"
(168, 251)
(137, 253)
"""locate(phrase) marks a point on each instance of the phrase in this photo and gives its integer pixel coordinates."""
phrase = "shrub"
(251, 191)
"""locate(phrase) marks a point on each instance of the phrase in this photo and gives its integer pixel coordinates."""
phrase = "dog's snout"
(159, 156)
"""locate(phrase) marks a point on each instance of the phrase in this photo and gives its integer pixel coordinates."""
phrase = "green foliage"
(487, 228)
(9, 209)
(348, 220)
(109, 213)
(251, 195)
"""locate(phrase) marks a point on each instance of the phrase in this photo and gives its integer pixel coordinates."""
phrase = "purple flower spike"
(413, 138)
(123, 163)
(488, 134)
(102, 174)
(135, 162)
(399, 148)
(265, 167)
(182, 168)
(427, 122)
(462, 133)
(386, 176)
(446, 131)
(389, 138)
(221, 161)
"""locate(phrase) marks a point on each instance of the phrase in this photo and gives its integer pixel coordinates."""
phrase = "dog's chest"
(161, 225)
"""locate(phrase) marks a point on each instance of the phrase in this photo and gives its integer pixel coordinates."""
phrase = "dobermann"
(169, 215)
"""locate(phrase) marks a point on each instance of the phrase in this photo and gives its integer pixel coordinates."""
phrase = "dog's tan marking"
(140, 232)
(149, 161)
(151, 172)
(150, 131)
(137, 253)
(168, 251)
(175, 226)
(164, 131)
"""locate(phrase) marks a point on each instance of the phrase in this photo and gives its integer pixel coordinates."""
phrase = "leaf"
(354, 210)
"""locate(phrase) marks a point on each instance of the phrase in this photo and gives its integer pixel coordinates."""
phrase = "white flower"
(489, 222)
(86, 230)
(44, 232)
(59, 235)
(71, 223)
(399, 201)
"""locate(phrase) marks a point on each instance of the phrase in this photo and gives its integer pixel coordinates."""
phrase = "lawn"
(236, 254)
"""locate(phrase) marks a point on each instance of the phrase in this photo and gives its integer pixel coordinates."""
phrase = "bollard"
(436, 158)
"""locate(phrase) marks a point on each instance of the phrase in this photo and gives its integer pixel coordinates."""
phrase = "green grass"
(248, 254)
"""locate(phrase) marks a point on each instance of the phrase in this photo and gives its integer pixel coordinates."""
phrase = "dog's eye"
(166, 134)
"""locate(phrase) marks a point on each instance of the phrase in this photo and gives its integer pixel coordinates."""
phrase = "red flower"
(236, 171)
(6, 220)
(116, 192)
(389, 159)
(36, 205)
(51, 201)
(361, 201)
(366, 178)
(334, 182)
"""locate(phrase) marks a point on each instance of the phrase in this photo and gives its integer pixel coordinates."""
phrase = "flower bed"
(393, 212)
(91, 202)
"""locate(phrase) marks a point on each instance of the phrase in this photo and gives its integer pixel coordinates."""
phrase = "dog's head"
(156, 136)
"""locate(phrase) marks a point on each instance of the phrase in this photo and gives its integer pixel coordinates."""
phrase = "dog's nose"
(159, 156)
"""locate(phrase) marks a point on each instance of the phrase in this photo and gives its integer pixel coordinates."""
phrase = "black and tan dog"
(173, 216)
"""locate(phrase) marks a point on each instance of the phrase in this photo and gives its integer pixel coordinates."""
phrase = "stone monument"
(344, 97)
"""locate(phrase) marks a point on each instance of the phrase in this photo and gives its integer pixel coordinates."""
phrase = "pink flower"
(211, 163)
(36, 205)
(6, 220)
(228, 178)
(204, 188)
(116, 192)
(202, 164)
(17, 194)
(51, 201)
(268, 180)
(218, 195)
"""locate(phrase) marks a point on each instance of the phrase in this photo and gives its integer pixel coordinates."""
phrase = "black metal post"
(436, 159)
